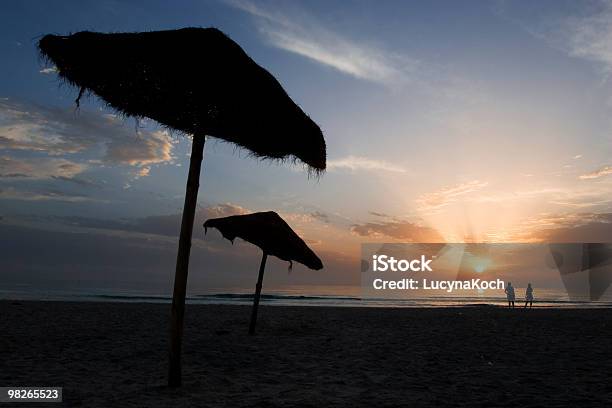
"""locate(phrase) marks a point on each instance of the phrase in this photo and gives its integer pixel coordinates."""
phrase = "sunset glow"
(449, 136)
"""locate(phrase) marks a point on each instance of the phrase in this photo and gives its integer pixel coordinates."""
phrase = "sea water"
(340, 296)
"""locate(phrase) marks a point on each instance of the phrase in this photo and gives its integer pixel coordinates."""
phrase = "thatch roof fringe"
(194, 80)
(270, 232)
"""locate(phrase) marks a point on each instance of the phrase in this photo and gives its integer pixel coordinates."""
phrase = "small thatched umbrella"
(273, 236)
(199, 82)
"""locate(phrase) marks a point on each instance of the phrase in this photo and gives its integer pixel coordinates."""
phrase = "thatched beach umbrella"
(273, 236)
(199, 82)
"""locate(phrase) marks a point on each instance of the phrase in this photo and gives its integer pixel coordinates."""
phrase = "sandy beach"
(114, 354)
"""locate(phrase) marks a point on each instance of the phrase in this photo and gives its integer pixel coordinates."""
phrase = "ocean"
(349, 297)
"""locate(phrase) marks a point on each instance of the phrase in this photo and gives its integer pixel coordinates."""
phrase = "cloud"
(58, 131)
(586, 35)
(590, 37)
(118, 260)
(402, 230)
(570, 228)
(507, 196)
(40, 168)
(321, 216)
(165, 225)
(356, 163)
(448, 195)
(83, 182)
(310, 39)
(579, 196)
(143, 172)
(49, 70)
(141, 150)
(11, 193)
(225, 210)
(378, 214)
(604, 171)
(170, 224)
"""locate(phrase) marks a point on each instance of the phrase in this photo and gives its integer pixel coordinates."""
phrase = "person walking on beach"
(529, 296)
(510, 294)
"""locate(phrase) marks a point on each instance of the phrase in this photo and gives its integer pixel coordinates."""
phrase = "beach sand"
(115, 355)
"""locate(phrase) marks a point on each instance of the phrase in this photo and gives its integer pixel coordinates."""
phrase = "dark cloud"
(379, 214)
(11, 193)
(407, 231)
(78, 181)
(14, 175)
(38, 168)
(321, 216)
(170, 224)
(166, 225)
(586, 228)
(83, 254)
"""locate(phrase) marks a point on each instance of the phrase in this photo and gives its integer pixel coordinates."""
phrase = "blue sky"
(484, 120)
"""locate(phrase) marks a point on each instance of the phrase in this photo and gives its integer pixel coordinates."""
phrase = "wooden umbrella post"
(262, 267)
(182, 260)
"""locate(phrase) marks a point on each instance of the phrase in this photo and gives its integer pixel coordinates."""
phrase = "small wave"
(555, 301)
(128, 297)
(249, 296)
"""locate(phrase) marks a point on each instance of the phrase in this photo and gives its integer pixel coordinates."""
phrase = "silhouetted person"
(529, 296)
(510, 294)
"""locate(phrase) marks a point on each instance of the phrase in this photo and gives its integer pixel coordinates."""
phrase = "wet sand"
(114, 354)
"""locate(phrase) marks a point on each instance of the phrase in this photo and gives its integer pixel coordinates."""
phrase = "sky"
(488, 121)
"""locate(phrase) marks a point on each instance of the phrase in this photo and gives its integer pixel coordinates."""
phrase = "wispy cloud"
(570, 227)
(12, 193)
(448, 195)
(309, 38)
(356, 163)
(321, 216)
(580, 196)
(161, 225)
(150, 245)
(39, 168)
(590, 37)
(60, 132)
(517, 195)
(49, 70)
(586, 33)
(379, 214)
(604, 171)
(402, 230)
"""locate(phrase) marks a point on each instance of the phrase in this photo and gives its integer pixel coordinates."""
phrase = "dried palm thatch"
(274, 236)
(195, 80)
(270, 233)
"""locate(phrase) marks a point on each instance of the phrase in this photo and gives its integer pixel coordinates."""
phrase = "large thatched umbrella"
(273, 236)
(199, 82)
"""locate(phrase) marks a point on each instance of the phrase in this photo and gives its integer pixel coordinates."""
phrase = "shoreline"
(354, 303)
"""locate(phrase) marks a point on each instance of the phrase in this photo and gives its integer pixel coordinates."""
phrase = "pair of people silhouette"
(511, 296)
